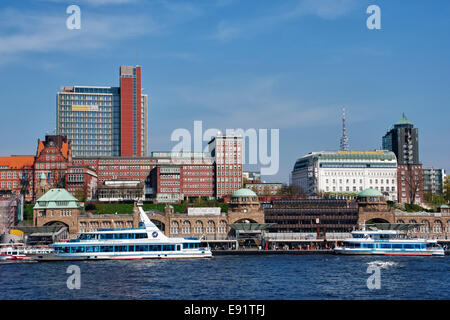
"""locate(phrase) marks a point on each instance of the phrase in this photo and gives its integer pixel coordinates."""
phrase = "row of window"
(126, 248)
(386, 246)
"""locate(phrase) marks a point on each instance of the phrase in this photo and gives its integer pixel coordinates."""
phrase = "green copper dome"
(403, 121)
(243, 193)
(370, 193)
(444, 206)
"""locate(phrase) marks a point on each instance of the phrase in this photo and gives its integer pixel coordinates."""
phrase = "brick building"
(17, 176)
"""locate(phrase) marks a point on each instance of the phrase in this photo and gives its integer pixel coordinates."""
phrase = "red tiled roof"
(17, 162)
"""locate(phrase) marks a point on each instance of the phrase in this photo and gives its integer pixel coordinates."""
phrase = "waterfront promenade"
(277, 252)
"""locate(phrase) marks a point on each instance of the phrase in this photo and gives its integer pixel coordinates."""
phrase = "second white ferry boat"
(145, 242)
(389, 242)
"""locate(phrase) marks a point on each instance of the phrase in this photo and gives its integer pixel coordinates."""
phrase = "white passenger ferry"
(145, 242)
(19, 252)
(389, 242)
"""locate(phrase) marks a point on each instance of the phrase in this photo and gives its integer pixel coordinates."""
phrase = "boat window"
(131, 248)
(120, 248)
(169, 247)
(190, 245)
(155, 247)
(397, 246)
(106, 248)
(141, 235)
(142, 248)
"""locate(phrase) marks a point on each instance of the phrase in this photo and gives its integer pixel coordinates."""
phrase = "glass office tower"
(105, 121)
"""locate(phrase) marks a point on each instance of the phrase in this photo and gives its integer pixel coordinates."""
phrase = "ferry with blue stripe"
(388, 242)
(145, 242)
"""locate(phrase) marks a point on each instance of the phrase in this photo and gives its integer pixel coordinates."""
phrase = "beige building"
(57, 206)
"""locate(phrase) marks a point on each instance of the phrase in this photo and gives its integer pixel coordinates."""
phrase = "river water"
(233, 277)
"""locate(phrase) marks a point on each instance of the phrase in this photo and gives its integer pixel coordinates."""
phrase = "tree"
(413, 181)
(447, 188)
(434, 199)
(292, 191)
(81, 195)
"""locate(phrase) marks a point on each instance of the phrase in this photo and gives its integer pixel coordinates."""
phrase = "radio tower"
(344, 139)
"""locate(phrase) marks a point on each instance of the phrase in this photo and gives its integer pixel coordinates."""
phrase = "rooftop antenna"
(344, 139)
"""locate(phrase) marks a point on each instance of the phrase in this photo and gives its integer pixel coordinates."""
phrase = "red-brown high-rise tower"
(132, 113)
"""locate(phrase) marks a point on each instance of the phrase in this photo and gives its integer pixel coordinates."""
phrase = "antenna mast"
(344, 139)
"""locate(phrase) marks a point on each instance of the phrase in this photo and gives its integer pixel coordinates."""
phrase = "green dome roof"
(444, 206)
(370, 193)
(243, 193)
(403, 121)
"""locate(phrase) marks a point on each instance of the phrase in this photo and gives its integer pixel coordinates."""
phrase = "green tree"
(447, 189)
(292, 191)
(81, 195)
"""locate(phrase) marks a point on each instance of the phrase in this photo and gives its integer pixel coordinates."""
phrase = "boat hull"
(389, 252)
(105, 256)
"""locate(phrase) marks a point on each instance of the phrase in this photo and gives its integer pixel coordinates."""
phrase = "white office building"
(347, 172)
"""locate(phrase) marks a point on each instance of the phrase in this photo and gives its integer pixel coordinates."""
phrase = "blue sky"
(288, 65)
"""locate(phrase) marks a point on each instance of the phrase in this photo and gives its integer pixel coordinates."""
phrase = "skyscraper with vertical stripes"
(105, 121)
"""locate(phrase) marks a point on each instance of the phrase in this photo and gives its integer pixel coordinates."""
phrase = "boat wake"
(383, 264)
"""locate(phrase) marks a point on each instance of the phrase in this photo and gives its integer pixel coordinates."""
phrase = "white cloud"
(250, 102)
(324, 9)
(30, 32)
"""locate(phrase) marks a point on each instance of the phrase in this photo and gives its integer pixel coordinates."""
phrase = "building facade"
(403, 140)
(105, 121)
(227, 151)
(317, 216)
(11, 211)
(57, 206)
(433, 180)
(264, 188)
(346, 172)
(167, 176)
(17, 176)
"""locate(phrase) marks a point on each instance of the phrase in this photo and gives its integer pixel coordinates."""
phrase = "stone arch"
(186, 227)
(198, 227)
(56, 222)
(425, 227)
(414, 229)
(438, 226)
(174, 227)
(210, 227)
(160, 224)
(377, 220)
(245, 220)
(222, 227)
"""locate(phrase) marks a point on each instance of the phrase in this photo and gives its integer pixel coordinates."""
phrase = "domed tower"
(244, 205)
(244, 200)
(373, 206)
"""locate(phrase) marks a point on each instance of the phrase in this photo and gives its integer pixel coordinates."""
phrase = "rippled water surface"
(233, 277)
